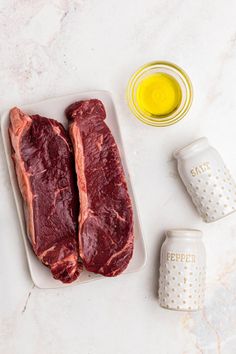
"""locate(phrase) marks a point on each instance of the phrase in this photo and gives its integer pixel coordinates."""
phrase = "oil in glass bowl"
(159, 94)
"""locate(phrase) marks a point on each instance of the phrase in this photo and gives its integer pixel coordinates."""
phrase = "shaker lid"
(189, 149)
(184, 233)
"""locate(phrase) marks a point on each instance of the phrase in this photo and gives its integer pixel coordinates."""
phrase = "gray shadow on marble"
(157, 258)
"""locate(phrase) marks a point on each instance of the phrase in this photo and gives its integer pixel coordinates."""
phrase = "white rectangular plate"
(54, 108)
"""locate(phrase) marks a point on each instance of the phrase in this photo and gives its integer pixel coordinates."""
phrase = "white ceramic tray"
(54, 108)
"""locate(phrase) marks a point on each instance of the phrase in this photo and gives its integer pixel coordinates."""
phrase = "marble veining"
(58, 47)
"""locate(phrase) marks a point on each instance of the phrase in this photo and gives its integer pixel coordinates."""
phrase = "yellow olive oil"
(159, 94)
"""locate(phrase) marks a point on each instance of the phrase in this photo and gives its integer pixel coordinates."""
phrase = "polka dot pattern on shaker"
(213, 194)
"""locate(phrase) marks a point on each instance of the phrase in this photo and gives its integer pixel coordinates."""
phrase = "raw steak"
(106, 218)
(43, 161)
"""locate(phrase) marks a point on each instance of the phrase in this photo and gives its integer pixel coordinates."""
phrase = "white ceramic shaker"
(182, 270)
(207, 180)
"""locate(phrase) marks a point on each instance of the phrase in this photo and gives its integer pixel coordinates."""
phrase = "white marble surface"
(51, 48)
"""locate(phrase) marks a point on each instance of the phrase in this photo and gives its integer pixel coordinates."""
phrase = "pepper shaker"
(182, 270)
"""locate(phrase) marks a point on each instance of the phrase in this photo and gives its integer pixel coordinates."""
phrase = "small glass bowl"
(160, 67)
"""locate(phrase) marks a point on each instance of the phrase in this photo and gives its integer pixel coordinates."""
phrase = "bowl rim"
(164, 120)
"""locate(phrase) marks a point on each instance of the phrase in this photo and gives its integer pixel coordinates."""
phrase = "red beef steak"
(44, 165)
(106, 218)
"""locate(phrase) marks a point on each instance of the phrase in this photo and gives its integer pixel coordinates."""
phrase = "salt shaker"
(182, 270)
(207, 179)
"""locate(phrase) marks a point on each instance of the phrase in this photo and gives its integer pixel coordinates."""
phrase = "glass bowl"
(182, 79)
